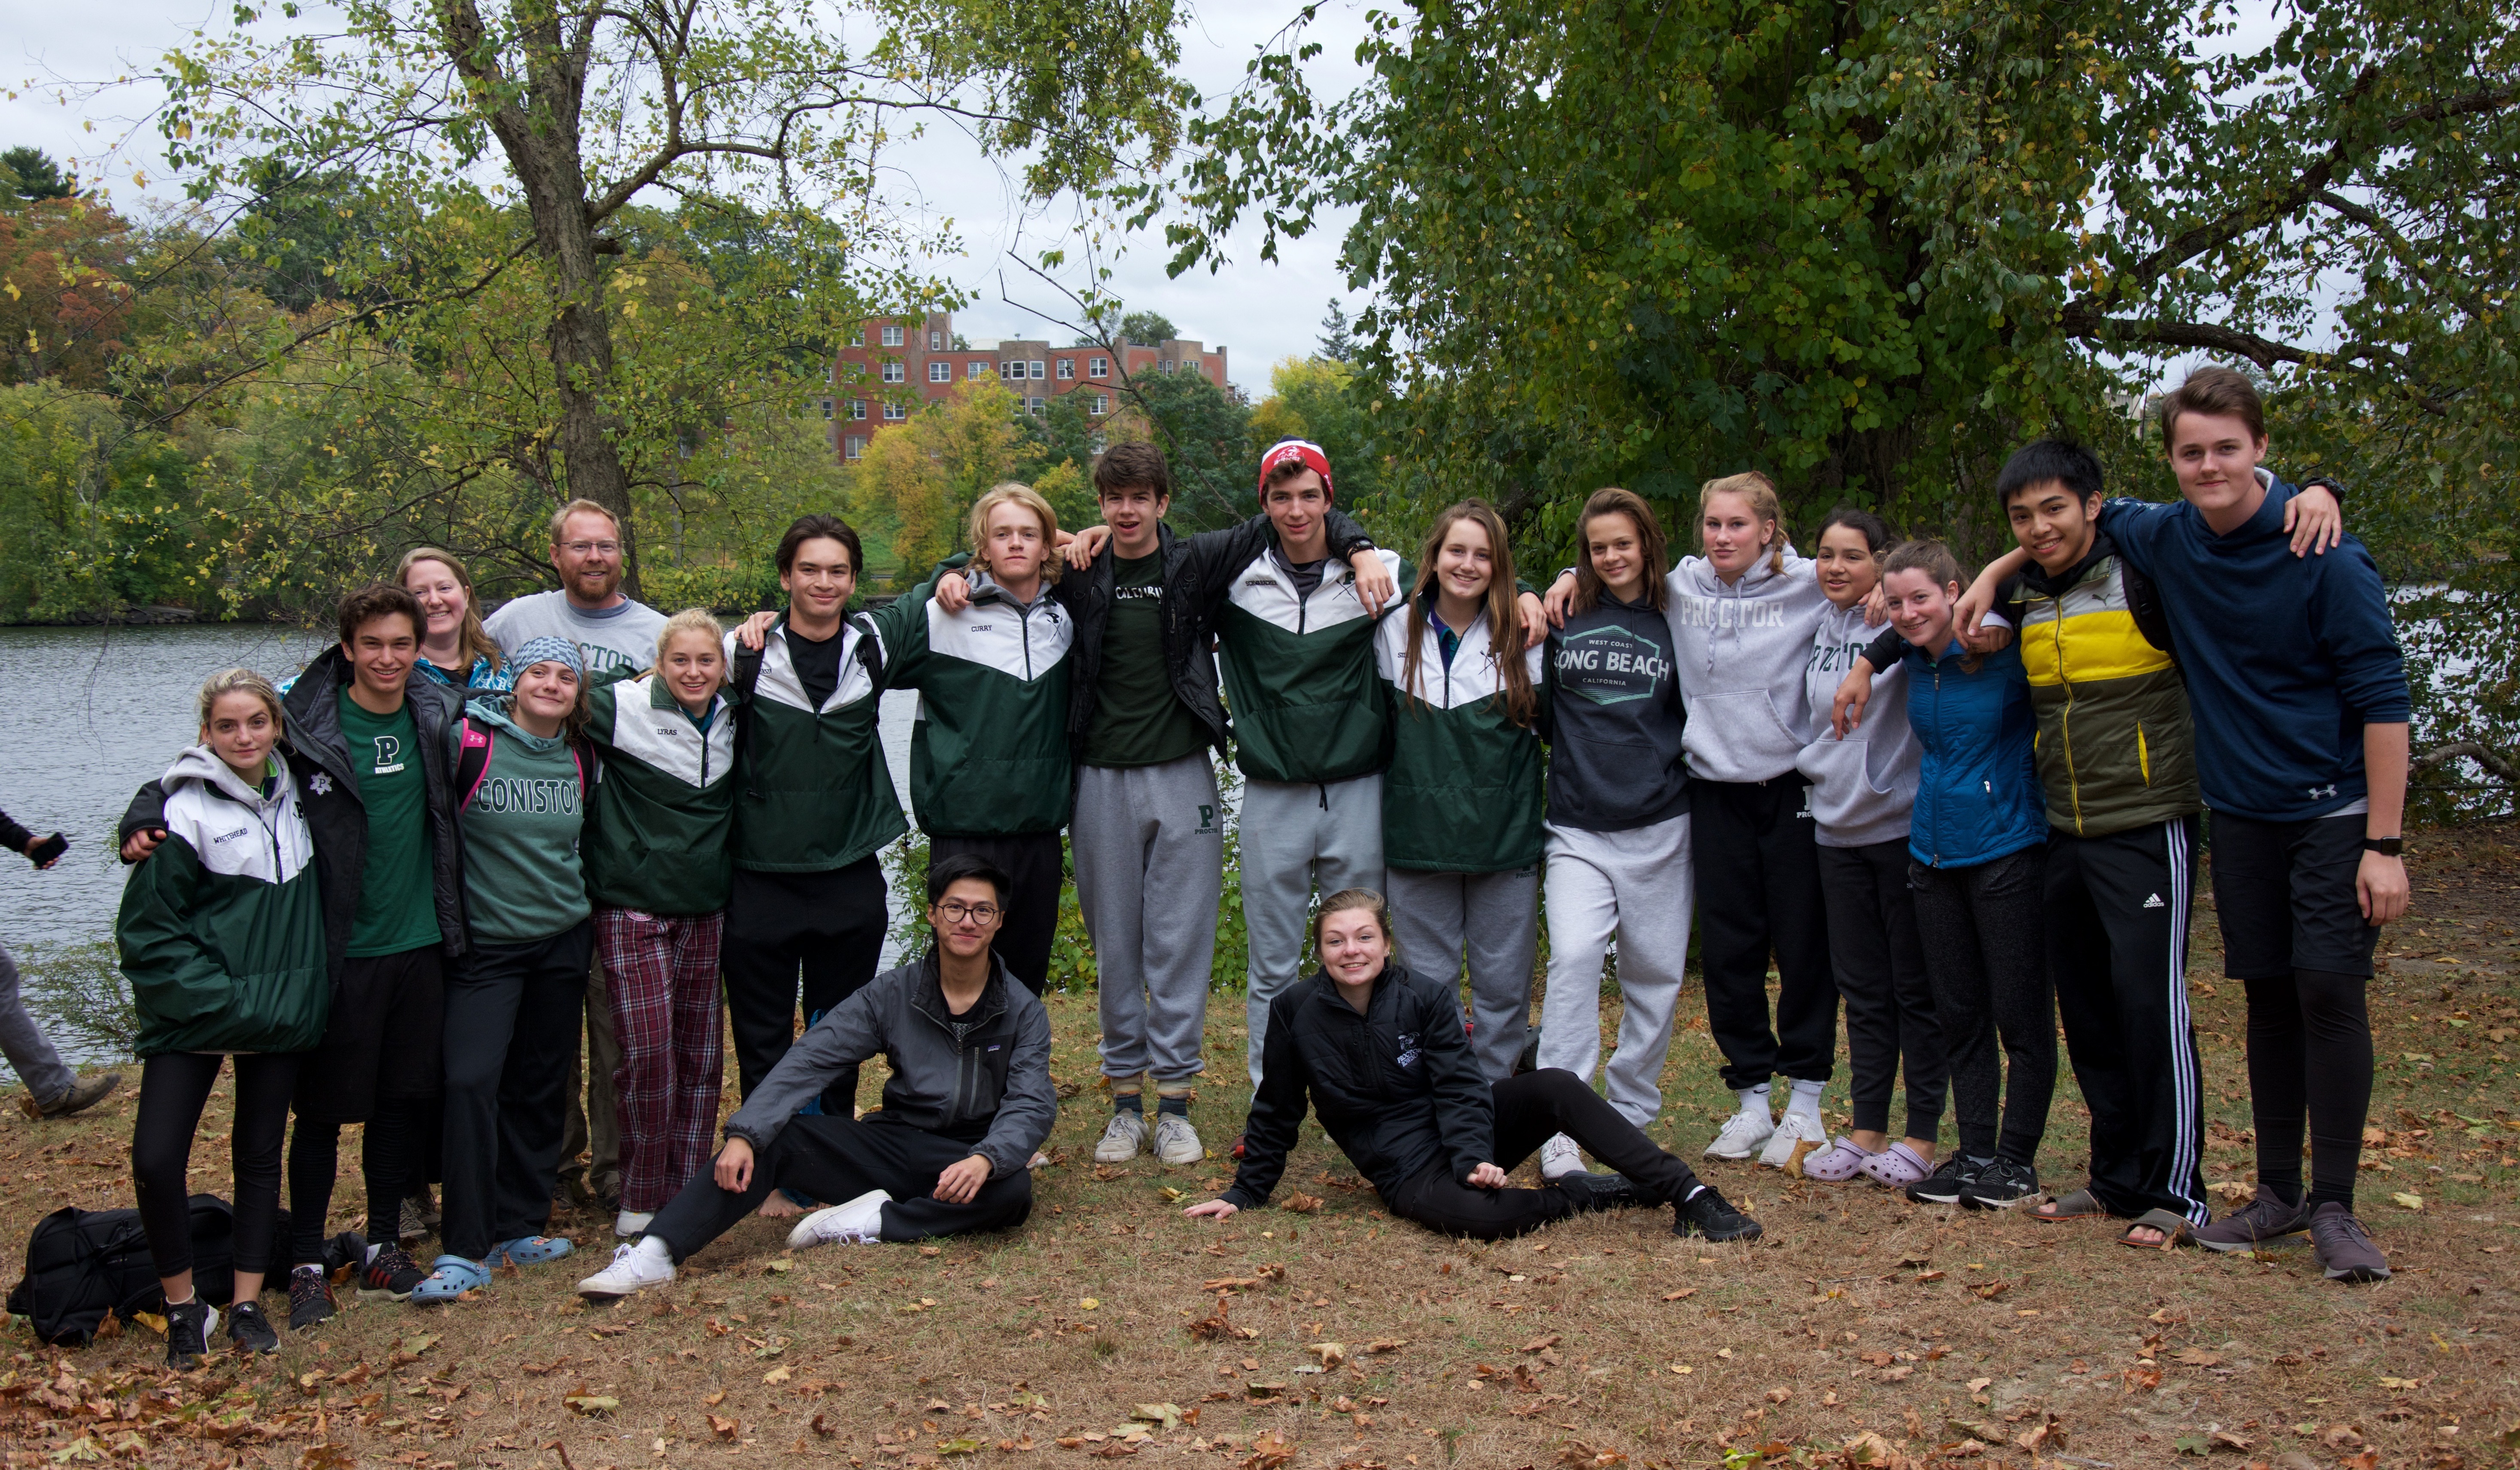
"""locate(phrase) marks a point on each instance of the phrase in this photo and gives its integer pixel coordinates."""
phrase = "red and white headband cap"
(1302, 452)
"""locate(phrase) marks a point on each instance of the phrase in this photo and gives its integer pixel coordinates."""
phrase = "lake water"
(87, 715)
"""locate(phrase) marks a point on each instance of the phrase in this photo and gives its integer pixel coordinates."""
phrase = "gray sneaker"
(1175, 1141)
(1122, 1138)
(2261, 1222)
(2345, 1247)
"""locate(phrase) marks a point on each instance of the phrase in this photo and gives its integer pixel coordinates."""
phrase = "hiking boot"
(81, 1095)
(311, 1298)
(1944, 1186)
(1559, 1157)
(189, 1327)
(1744, 1134)
(1709, 1214)
(2260, 1222)
(1594, 1193)
(1123, 1137)
(250, 1330)
(2000, 1185)
(408, 1226)
(390, 1273)
(1175, 1141)
(430, 1215)
(2345, 1247)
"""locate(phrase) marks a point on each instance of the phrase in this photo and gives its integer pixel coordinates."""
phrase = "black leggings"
(1984, 932)
(1528, 1109)
(173, 1086)
(2310, 1023)
(1881, 966)
(388, 1161)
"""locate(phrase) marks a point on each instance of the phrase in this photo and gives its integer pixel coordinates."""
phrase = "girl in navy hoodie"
(1976, 845)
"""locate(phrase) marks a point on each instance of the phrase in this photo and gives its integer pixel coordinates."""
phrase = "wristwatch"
(2334, 487)
(2387, 847)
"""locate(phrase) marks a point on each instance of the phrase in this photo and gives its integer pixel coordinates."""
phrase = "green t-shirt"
(1137, 720)
(522, 879)
(397, 888)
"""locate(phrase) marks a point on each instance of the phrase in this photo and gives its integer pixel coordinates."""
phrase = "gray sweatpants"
(1149, 849)
(1639, 886)
(1295, 838)
(23, 1042)
(1492, 918)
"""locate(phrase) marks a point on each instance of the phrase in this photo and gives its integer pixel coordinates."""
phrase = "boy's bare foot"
(778, 1206)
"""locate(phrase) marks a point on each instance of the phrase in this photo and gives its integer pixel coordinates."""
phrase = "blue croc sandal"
(530, 1250)
(449, 1277)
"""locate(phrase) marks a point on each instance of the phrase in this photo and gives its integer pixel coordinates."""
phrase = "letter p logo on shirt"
(388, 755)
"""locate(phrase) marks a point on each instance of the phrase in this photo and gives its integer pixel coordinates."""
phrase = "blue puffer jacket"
(1979, 796)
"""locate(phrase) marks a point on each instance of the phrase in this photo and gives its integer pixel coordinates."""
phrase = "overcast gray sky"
(1261, 312)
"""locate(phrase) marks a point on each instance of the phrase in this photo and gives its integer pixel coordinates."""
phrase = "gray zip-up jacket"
(989, 1088)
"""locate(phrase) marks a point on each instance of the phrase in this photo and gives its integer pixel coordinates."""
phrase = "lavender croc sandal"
(1894, 1168)
(1836, 1164)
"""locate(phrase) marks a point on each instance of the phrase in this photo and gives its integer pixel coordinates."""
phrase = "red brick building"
(897, 364)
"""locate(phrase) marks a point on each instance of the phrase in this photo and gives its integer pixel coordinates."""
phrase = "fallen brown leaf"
(1301, 1203)
(723, 1427)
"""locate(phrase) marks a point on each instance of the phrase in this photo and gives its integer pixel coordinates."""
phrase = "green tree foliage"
(1148, 329)
(1870, 246)
(29, 175)
(1318, 398)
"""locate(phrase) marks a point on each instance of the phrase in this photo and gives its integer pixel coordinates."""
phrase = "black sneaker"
(250, 1330)
(2345, 1249)
(1599, 1191)
(1709, 1214)
(311, 1298)
(189, 1329)
(1944, 1186)
(390, 1273)
(2000, 1185)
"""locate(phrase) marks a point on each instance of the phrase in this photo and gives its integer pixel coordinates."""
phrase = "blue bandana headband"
(548, 650)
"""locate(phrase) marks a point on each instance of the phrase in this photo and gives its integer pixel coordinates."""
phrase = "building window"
(1101, 403)
(941, 372)
(855, 446)
(1034, 406)
(975, 370)
(1066, 369)
(857, 336)
(1099, 367)
(892, 337)
(936, 341)
(857, 407)
(1040, 370)
(894, 412)
(893, 373)
(1168, 365)
(826, 410)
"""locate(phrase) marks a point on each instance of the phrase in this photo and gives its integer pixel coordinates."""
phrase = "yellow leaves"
(587, 1403)
(2407, 1201)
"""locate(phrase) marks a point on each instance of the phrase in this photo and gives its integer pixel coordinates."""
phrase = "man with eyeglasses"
(968, 1100)
(611, 632)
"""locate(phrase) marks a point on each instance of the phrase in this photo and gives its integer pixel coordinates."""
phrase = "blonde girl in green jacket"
(222, 939)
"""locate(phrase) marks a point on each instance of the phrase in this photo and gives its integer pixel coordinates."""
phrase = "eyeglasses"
(956, 911)
(591, 547)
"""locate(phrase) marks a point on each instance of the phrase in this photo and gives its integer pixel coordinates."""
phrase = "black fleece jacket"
(329, 794)
(1396, 1088)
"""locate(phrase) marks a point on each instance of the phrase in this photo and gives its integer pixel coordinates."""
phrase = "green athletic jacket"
(1300, 677)
(1464, 791)
(812, 790)
(664, 801)
(221, 931)
(989, 756)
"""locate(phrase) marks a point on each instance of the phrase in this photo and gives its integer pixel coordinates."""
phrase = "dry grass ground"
(1350, 1340)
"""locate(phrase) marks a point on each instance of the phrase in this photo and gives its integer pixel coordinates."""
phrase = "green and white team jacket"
(664, 801)
(1464, 791)
(989, 755)
(814, 792)
(221, 932)
(1299, 674)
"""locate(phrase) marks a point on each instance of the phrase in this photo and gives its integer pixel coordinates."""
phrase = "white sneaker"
(1792, 1129)
(1122, 1138)
(1559, 1157)
(1175, 1141)
(629, 1222)
(1742, 1136)
(860, 1222)
(634, 1269)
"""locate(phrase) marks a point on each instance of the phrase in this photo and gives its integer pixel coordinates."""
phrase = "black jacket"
(1199, 573)
(329, 794)
(1396, 1088)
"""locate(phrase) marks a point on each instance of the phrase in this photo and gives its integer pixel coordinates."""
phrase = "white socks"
(1806, 1100)
(652, 1249)
(1754, 1100)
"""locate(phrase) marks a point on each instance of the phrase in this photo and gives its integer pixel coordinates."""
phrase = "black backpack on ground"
(82, 1264)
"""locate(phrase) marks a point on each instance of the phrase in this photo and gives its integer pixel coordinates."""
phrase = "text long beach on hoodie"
(1300, 676)
(814, 792)
(1618, 723)
(1463, 795)
(221, 931)
(989, 756)
(2287, 658)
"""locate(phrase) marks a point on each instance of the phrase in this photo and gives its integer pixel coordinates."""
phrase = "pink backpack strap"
(472, 762)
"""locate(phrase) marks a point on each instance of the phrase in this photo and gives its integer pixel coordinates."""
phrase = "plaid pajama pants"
(663, 975)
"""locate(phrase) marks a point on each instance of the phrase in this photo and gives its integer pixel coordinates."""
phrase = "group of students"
(394, 899)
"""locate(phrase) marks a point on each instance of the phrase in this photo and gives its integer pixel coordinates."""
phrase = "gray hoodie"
(988, 1087)
(1742, 650)
(1864, 786)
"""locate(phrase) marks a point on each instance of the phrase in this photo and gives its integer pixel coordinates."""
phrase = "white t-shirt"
(621, 637)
